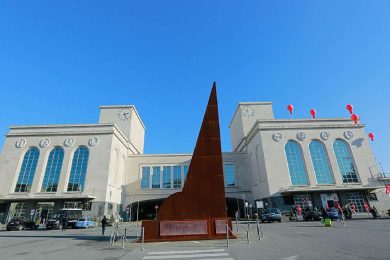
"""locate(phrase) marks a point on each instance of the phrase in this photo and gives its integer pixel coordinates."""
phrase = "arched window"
(344, 160)
(27, 171)
(53, 170)
(79, 169)
(295, 163)
(320, 161)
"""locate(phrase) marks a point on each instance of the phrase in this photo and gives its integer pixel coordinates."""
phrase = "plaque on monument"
(181, 228)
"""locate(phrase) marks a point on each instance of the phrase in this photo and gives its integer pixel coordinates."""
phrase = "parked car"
(311, 215)
(85, 223)
(271, 215)
(55, 222)
(333, 213)
(21, 223)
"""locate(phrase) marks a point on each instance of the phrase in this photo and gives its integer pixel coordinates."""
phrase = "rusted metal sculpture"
(199, 210)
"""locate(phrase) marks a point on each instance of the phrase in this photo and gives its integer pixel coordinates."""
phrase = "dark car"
(72, 215)
(271, 215)
(21, 223)
(333, 213)
(312, 215)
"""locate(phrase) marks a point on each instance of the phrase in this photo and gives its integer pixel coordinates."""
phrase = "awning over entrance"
(305, 189)
(45, 197)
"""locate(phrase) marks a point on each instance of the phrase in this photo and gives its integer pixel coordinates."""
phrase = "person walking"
(374, 212)
(104, 224)
(64, 222)
(341, 216)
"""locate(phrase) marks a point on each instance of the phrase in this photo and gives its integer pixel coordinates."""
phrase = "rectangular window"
(167, 177)
(73, 205)
(372, 197)
(228, 170)
(145, 180)
(176, 177)
(156, 177)
(185, 171)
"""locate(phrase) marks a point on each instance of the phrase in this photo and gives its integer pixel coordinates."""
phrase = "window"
(344, 161)
(109, 210)
(156, 177)
(357, 199)
(145, 179)
(167, 177)
(372, 197)
(53, 170)
(27, 171)
(303, 200)
(176, 177)
(18, 210)
(185, 171)
(73, 205)
(79, 169)
(228, 170)
(295, 163)
(320, 162)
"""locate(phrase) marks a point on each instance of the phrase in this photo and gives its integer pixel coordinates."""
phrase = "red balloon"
(350, 108)
(313, 113)
(355, 118)
(290, 108)
(372, 136)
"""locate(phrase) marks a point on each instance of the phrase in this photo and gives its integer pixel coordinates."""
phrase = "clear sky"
(61, 60)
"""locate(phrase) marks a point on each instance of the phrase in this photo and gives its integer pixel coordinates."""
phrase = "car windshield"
(275, 211)
(82, 219)
(15, 220)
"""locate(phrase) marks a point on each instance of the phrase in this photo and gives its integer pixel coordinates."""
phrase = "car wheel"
(262, 221)
(8, 229)
(279, 220)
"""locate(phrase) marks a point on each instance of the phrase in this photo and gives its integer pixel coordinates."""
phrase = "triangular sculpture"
(199, 210)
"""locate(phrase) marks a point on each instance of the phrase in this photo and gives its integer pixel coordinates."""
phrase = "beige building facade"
(102, 167)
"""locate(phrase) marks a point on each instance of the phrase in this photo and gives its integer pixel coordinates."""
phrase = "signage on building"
(259, 204)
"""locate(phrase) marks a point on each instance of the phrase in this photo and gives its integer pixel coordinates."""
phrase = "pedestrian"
(299, 212)
(341, 216)
(64, 222)
(104, 224)
(374, 212)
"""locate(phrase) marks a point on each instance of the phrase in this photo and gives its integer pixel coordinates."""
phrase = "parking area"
(359, 239)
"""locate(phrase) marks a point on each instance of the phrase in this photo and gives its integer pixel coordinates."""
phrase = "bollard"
(237, 224)
(125, 232)
(261, 232)
(247, 236)
(227, 235)
(248, 228)
(258, 229)
(123, 242)
(142, 243)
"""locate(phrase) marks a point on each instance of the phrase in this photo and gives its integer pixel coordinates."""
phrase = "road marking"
(186, 252)
(205, 254)
(290, 257)
(184, 256)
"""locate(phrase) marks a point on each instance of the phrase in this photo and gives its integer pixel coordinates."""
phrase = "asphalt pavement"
(358, 239)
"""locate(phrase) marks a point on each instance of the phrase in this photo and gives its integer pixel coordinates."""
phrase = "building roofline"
(126, 106)
(247, 103)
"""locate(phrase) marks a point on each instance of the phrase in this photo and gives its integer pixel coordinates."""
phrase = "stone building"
(102, 168)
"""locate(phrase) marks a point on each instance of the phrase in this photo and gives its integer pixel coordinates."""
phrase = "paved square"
(359, 239)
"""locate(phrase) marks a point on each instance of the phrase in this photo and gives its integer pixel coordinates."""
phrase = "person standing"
(64, 222)
(374, 212)
(104, 224)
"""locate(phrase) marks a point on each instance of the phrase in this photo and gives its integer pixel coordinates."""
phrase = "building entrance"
(44, 210)
(329, 200)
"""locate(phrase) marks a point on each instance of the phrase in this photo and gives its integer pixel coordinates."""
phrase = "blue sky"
(60, 60)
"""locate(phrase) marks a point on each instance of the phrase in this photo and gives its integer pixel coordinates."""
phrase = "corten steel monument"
(199, 210)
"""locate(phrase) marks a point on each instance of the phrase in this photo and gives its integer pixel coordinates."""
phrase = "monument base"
(182, 230)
